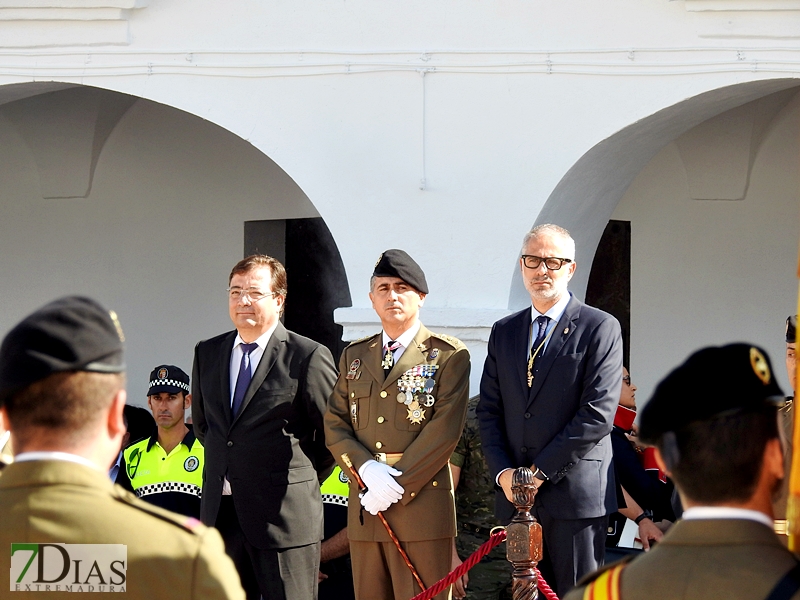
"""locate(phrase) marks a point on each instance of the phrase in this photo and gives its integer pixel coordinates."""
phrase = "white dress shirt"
(726, 512)
(404, 340)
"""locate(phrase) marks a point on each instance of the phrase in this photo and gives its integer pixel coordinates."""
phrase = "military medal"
(415, 387)
(354, 412)
(388, 360)
(353, 372)
(415, 413)
(434, 353)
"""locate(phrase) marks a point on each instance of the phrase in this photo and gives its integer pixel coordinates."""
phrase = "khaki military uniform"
(169, 556)
(490, 579)
(708, 559)
(364, 418)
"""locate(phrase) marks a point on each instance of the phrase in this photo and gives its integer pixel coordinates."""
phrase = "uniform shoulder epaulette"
(363, 339)
(454, 342)
(189, 524)
(594, 575)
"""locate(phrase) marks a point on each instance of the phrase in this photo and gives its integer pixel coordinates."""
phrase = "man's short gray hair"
(551, 229)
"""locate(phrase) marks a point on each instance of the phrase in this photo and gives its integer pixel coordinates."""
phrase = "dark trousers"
(272, 574)
(572, 549)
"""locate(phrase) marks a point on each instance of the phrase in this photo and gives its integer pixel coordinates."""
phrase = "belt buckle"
(381, 457)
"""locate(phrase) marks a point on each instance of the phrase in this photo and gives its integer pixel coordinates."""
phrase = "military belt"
(389, 458)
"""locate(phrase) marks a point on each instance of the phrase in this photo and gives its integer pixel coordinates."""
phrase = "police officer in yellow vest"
(336, 571)
(166, 469)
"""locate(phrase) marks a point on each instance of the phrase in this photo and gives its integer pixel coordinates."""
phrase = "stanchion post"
(524, 537)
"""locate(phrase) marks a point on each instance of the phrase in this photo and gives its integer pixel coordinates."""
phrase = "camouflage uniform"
(491, 577)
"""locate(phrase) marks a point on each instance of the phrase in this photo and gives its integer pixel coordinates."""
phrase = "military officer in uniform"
(397, 410)
(714, 423)
(62, 397)
(166, 468)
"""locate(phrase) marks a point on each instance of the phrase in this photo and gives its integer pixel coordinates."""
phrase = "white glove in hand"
(380, 482)
(373, 505)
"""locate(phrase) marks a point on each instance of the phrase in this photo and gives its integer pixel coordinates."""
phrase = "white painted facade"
(446, 128)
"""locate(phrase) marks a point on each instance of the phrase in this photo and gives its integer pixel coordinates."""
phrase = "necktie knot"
(243, 379)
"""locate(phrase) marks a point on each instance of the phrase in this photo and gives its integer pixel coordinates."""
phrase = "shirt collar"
(404, 338)
(262, 340)
(725, 512)
(187, 440)
(48, 455)
(555, 311)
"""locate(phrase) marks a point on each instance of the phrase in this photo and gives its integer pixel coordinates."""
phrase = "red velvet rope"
(495, 540)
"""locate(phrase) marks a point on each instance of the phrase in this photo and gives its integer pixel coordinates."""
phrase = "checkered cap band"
(169, 486)
(169, 382)
(334, 499)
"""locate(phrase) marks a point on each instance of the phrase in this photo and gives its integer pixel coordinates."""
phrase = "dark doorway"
(609, 287)
(315, 274)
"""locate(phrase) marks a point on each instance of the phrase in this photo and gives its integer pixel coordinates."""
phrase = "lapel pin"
(434, 353)
(566, 330)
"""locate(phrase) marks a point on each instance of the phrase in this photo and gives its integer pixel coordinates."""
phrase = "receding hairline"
(549, 229)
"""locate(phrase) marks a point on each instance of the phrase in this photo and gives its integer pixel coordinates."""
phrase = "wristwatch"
(646, 514)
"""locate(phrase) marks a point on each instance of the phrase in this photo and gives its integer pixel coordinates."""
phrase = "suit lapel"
(561, 332)
(372, 362)
(521, 348)
(225, 378)
(274, 346)
(413, 355)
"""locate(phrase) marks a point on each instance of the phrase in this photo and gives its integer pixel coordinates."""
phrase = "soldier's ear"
(660, 462)
(187, 401)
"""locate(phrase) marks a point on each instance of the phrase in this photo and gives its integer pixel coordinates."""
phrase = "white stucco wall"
(454, 166)
(156, 238)
(708, 272)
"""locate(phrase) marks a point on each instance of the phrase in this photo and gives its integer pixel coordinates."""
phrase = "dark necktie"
(537, 348)
(243, 379)
(541, 321)
(388, 357)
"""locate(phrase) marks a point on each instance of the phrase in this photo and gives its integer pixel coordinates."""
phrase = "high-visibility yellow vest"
(335, 489)
(153, 471)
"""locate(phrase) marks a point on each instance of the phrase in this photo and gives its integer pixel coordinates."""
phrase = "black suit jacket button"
(230, 444)
(523, 449)
(527, 415)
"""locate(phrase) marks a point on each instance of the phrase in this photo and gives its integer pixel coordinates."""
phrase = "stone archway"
(138, 204)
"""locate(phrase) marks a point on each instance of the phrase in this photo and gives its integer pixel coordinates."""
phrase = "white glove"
(380, 482)
(372, 504)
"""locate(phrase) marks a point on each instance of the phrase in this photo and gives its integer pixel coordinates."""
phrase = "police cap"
(168, 378)
(69, 334)
(791, 329)
(397, 263)
(714, 381)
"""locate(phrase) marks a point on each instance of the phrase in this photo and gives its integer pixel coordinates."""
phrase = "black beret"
(68, 334)
(397, 263)
(791, 329)
(712, 382)
(168, 378)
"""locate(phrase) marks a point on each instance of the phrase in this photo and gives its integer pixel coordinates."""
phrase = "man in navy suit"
(550, 388)
(259, 393)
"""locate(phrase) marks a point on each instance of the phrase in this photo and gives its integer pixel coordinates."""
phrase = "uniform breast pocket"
(358, 393)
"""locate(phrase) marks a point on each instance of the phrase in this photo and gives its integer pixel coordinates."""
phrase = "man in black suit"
(259, 396)
(550, 388)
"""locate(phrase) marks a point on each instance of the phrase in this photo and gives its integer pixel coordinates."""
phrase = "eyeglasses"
(627, 380)
(551, 262)
(235, 293)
